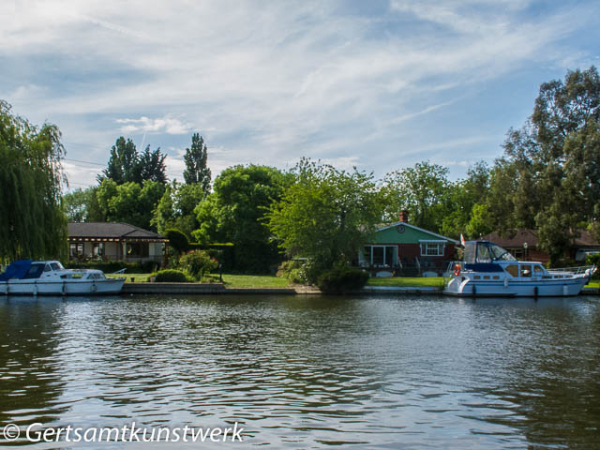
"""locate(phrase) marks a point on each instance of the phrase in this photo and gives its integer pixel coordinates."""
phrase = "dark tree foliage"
(127, 165)
(151, 166)
(32, 221)
(235, 212)
(196, 170)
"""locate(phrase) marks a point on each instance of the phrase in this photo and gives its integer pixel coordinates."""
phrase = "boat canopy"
(483, 255)
(17, 269)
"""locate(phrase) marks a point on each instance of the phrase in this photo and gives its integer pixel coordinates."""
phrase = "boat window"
(477, 277)
(526, 270)
(55, 266)
(512, 269)
(486, 277)
(500, 253)
(483, 254)
(35, 271)
(47, 268)
(496, 277)
(538, 270)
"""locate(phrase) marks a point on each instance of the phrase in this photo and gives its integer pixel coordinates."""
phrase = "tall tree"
(32, 221)
(151, 166)
(123, 162)
(549, 175)
(127, 165)
(326, 215)
(196, 169)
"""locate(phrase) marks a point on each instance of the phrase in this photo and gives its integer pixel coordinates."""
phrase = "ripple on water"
(310, 372)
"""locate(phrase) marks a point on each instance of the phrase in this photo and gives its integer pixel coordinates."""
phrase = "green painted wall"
(409, 236)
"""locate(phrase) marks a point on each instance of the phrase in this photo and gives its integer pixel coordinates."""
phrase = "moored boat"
(489, 270)
(27, 277)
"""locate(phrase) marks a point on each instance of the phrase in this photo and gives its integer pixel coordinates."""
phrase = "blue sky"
(379, 85)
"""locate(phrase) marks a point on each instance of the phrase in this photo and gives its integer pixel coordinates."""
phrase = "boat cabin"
(485, 256)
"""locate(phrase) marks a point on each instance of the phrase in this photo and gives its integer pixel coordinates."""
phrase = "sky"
(377, 85)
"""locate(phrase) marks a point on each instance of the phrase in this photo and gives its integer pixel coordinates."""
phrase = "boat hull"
(83, 287)
(554, 288)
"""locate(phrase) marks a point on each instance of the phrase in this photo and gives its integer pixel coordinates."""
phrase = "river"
(308, 371)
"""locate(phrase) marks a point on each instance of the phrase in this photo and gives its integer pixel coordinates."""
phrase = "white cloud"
(271, 82)
(146, 125)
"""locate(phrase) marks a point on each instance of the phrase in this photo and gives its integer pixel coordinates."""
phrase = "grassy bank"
(593, 284)
(234, 281)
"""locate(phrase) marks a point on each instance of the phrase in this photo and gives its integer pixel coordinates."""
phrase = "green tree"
(326, 215)
(196, 170)
(235, 210)
(129, 202)
(549, 176)
(422, 190)
(127, 165)
(123, 162)
(151, 166)
(32, 221)
(176, 207)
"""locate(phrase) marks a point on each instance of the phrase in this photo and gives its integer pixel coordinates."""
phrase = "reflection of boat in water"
(490, 270)
(26, 277)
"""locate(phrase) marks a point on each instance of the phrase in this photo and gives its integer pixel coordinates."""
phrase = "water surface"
(310, 372)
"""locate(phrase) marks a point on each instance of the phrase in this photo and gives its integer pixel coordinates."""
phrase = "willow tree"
(32, 222)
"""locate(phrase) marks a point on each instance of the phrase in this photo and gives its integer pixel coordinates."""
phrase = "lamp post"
(525, 254)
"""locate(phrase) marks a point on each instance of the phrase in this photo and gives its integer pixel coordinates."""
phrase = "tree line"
(547, 179)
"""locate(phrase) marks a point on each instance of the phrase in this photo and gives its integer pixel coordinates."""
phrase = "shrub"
(342, 279)
(198, 263)
(595, 260)
(293, 270)
(170, 276)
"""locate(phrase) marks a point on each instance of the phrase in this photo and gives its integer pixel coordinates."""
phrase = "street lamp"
(525, 251)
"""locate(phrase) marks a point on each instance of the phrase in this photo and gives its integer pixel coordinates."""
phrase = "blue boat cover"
(18, 269)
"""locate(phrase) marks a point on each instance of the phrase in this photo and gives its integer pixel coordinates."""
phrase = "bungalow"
(114, 242)
(524, 244)
(405, 249)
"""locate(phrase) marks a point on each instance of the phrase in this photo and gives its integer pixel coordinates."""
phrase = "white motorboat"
(27, 277)
(489, 270)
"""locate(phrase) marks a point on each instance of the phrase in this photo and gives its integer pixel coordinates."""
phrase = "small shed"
(405, 249)
(107, 241)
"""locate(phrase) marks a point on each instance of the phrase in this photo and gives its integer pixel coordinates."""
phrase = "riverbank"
(270, 285)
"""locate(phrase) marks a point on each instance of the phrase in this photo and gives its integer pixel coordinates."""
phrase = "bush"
(198, 263)
(171, 276)
(293, 270)
(342, 279)
(595, 260)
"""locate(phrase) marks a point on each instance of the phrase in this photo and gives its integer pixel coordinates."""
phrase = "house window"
(432, 249)
(137, 249)
(98, 249)
(76, 249)
(380, 255)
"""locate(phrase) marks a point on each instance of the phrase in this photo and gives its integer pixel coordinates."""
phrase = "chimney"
(404, 216)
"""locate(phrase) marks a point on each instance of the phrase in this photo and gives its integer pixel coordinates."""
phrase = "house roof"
(110, 230)
(418, 229)
(522, 236)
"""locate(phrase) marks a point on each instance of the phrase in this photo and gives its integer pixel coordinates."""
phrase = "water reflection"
(300, 372)
(29, 364)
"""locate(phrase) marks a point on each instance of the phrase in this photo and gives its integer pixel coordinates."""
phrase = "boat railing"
(571, 270)
(452, 266)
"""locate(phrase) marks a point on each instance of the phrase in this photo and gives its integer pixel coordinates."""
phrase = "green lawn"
(593, 284)
(251, 281)
(234, 281)
(407, 281)
(139, 277)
